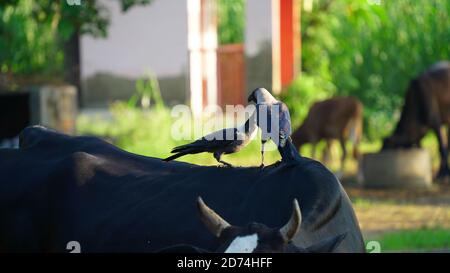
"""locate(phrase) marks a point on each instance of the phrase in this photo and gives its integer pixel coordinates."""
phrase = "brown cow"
(427, 106)
(336, 118)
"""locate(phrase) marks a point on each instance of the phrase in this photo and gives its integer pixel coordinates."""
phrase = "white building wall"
(202, 36)
(258, 44)
(151, 37)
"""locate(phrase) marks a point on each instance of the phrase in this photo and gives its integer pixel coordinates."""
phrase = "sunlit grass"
(365, 203)
(419, 239)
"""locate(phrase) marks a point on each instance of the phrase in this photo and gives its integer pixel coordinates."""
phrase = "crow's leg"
(263, 142)
(217, 156)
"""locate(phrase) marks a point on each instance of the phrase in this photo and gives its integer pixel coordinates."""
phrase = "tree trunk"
(72, 71)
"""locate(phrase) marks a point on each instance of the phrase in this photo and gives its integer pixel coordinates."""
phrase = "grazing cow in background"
(427, 106)
(255, 238)
(336, 118)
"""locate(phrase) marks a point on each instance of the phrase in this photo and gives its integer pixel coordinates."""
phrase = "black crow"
(225, 141)
(270, 112)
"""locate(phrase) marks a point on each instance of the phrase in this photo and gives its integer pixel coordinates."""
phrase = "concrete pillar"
(55, 107)
(202, 45)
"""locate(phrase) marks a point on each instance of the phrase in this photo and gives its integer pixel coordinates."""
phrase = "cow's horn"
(211, 219)
(293, 226)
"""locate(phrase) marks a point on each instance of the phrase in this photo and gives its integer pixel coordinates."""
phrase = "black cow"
(255, 237)
(56, 189)
(427, 106)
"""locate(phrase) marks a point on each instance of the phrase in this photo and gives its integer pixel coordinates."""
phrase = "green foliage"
(372, 51)
(231, 21)
(130, 128)
(32, 33)
(28, 38)
(148, 92)
(421, 239)
(91, 17)
(303, 92)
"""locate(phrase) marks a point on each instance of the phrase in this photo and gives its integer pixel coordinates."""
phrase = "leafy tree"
(231, 16)
(27, 39)
(39, 37)
(371, 51)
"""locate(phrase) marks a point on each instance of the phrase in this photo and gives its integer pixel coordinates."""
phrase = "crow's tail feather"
(194, 146)
(179, 149)
(175, 156)
(183, 148)
(184, 151)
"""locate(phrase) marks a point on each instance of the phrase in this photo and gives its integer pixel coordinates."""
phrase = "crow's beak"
(251, 98)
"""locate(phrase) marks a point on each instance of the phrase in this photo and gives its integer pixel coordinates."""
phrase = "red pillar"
(286, 42)
(286, 47)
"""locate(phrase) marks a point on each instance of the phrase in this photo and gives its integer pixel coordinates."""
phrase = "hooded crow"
(225, 141)
(268, 107)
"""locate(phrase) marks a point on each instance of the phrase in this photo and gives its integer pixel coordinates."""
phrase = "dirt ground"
(387, 210)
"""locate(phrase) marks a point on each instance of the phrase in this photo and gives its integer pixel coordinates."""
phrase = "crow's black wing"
(285, 120)
(215, 140)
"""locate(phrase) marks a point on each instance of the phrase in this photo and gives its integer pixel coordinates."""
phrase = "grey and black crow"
(225, 141)
(269, 108)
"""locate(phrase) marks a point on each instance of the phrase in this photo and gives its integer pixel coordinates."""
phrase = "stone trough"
(402, 168)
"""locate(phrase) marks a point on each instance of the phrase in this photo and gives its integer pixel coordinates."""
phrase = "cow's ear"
(327, 245)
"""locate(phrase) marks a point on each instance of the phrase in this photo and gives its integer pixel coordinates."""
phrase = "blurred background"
(114, 69)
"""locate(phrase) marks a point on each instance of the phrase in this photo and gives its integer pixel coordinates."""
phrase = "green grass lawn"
(419, 239)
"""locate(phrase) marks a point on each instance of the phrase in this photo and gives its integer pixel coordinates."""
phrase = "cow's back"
(86, 190)
(427, 101)
(436, 81)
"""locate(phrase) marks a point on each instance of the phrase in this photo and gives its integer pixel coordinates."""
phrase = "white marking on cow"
(244, 244)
